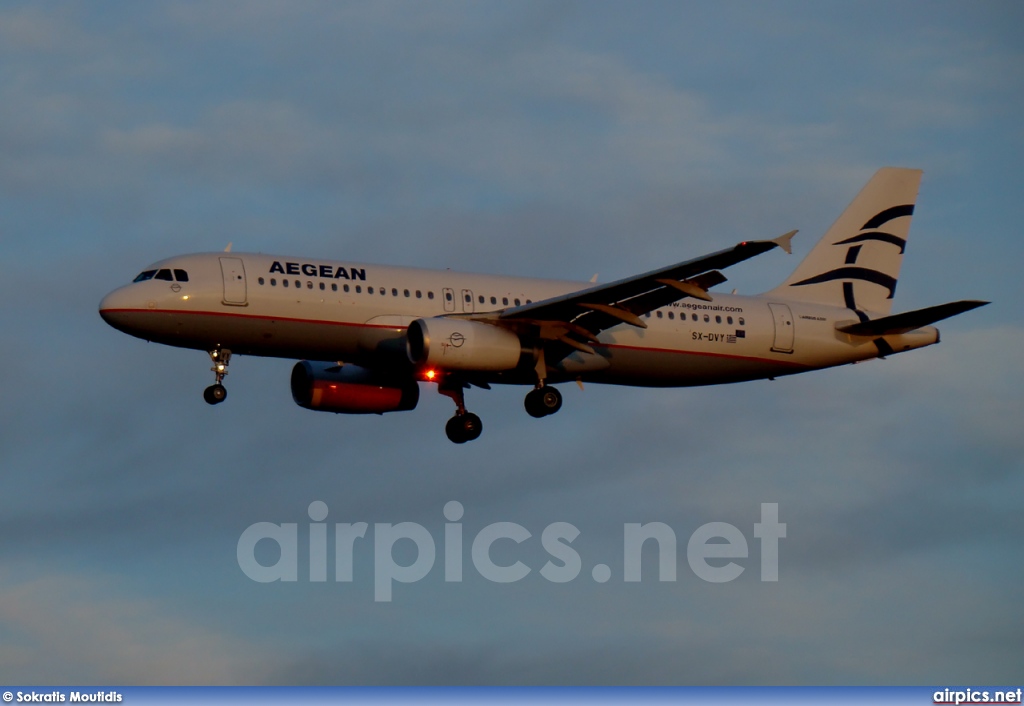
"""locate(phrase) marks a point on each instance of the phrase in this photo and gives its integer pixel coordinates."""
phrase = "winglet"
(784, 241)
(228, 248)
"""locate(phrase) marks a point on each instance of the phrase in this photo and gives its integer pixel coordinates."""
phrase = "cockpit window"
(164, 275)
(143, 276)
(181, 275)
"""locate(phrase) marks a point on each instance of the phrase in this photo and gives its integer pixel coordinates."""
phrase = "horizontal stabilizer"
(910, 320)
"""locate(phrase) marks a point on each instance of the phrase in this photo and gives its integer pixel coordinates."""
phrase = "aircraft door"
(233, 272)
(467, 301)
(449, 299)
(784, 334)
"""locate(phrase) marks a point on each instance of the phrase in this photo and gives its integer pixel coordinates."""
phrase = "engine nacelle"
(457, 344)
(350, 389)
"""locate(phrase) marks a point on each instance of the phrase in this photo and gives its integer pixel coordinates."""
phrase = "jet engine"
(457, 344)
(350, 389)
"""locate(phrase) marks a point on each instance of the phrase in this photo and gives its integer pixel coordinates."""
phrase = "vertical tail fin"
(857, 262)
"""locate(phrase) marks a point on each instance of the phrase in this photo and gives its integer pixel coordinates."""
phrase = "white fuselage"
(322, 310)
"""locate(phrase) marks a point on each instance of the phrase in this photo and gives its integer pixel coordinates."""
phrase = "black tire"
(550, 400)
(543, 401)
(454, 431)
(463, 427)
(472, 426)
(215, 394)
(533, 405)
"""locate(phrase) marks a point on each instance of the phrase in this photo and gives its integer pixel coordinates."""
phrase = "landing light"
(431, 374)
(184, 298)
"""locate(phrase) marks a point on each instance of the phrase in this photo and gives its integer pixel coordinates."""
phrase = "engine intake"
(350, 389)
(457, 344)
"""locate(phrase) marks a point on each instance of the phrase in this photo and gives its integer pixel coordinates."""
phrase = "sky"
(543, 139)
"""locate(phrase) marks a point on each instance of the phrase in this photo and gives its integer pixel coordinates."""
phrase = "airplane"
(367, 335)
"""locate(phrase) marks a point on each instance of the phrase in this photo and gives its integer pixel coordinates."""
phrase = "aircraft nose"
(115, 305)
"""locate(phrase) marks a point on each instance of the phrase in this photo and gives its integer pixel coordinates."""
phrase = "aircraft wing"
(577, 317)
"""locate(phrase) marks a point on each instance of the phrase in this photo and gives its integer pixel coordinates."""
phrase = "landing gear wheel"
(464, 427)
(543, 401)
(215, 394)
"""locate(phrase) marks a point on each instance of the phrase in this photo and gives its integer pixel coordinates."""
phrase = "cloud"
(72, 627)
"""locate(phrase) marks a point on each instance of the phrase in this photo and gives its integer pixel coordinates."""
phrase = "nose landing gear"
(217, 393)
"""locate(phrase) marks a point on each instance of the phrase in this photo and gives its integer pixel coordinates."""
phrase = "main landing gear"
(542, 401)
(464, 426)
(217, 393)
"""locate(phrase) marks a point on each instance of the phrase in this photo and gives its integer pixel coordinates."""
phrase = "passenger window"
(181, 275)
(164, 275)
(394, 292)
(359, 289)
(660, 314)
(728, 320)
(718, 319)
(322, 286)
(448, 296)
(143, 276)
(406, 293)
(273, 282)
(334, 287)
(369, 290)
(284, 283)
(298, 284)
(261, 280)
(494, 300)
(430, 295)
(671, 315)
(419, 294)
(694, 316)
(741, 322)
(706, 318)
(517, 302)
